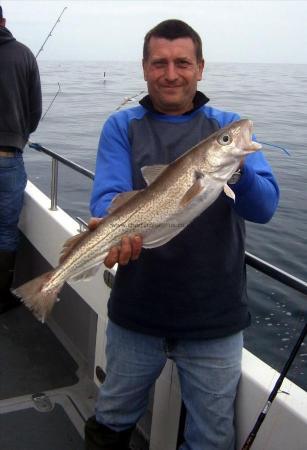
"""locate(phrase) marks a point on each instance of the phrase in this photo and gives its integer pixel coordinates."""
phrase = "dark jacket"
(20, 92)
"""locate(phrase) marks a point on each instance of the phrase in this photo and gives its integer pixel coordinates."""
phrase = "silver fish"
(175, 195)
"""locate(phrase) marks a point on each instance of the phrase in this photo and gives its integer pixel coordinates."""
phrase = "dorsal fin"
(120, 199)
(150, 173)
(71, 243)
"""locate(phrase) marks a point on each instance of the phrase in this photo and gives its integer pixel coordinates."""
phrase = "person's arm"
(35, 97)
(257, 192)
(113, 175)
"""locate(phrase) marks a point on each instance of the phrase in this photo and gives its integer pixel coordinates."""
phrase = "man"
(185, 300)
(20, 112)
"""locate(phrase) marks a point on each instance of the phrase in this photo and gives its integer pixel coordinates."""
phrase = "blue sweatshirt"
(194, 286)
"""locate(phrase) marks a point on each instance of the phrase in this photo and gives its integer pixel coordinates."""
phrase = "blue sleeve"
(113, 172)
(257, 192)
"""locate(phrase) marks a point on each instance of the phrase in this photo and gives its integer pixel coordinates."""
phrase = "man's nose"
(171, 72)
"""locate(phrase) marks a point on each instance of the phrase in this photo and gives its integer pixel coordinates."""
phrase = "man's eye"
(158, 64)
(183, 64)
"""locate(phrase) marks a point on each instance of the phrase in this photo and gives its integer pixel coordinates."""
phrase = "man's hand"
(128, 250)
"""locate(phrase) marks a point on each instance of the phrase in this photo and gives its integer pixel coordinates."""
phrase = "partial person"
(187, 299)
(20, 113)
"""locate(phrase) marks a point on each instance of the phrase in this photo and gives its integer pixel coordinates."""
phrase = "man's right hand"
(128, 250)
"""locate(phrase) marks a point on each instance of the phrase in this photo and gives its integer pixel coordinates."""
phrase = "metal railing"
(252, 260)
(56, 158)
(276, 273)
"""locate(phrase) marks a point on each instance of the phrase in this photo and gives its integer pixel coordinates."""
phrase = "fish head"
(228, 146)
(236, 139)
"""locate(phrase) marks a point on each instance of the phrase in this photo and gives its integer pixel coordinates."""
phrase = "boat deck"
(44, 395)
(37, 409)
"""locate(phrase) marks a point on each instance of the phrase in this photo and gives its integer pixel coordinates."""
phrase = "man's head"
(173, 29)
(2, 19)
(173, 64)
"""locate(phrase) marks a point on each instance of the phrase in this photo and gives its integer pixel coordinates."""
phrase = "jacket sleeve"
(257, 192)
(35, 97)
(113, 172)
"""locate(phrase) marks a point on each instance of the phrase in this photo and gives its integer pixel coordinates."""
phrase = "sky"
(253, 31)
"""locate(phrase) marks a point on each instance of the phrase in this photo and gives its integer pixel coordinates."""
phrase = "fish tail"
(37, 300)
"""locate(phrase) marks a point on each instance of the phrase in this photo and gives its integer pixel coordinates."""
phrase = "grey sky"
(232, 31)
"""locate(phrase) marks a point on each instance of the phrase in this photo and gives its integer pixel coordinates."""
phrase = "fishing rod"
(41, 49)
(52, 101)
(251, 437)
(129, 99)
(50, 33)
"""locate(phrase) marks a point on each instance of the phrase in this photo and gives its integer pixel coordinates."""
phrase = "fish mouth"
(253, 147)
(247, 143)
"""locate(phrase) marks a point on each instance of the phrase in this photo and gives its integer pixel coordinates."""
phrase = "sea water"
(273, 96)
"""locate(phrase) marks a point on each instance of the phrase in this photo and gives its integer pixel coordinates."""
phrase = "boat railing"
(56, 158)
(259, 264)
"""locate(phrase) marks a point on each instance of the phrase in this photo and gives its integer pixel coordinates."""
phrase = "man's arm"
(35, 97)
(257, 192)
(113, 175)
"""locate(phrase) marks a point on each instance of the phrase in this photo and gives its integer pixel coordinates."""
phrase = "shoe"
(100, 437)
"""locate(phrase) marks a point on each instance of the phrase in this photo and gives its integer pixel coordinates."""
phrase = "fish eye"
(224, 139)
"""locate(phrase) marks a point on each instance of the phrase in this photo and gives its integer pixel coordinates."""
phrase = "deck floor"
(32, 360)
(49, 430)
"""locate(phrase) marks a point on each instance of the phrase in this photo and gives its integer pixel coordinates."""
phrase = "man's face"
(172, 72)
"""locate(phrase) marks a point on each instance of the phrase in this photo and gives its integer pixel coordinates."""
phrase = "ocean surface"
(274, 97)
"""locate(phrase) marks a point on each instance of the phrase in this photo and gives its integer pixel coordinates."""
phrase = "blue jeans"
(13, 181)
(209, 372)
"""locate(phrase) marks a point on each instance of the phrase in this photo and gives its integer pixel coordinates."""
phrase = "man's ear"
(201, 67)
(144, 69)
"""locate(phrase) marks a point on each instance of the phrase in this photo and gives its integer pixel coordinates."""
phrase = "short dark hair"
(1, 14)
(173, 29)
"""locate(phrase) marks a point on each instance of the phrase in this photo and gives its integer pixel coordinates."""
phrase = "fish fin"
(150, 173)
(87, 274)
(40, 303)
(161, 240)
(196, 188)
(71, 243)
(120, 199)
(229, 192)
